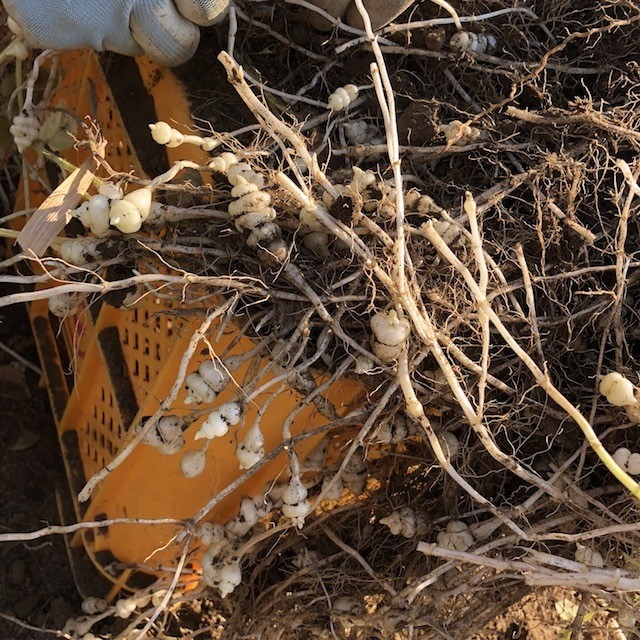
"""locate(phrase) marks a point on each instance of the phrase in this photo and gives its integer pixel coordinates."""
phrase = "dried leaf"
(55, 212)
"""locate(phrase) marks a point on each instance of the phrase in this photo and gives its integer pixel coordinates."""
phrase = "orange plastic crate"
(107, 369)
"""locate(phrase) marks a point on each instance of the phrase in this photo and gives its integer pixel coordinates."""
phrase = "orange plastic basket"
(107, 369)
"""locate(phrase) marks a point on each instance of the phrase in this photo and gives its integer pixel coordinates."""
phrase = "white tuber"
(355, 473)
(246, 519)
(128, 214)
(218, 543)
(192, 463)
(163, 133)
(392, 431)
(342, 97)
(65, 304)
(333, 492)
(589, 557)
(94, 214)
(206, 383)
(224, 576)
(627, 461)
(469, 42)
(405, 522)
(618, 390)
(92, 605)
(391, 333)
(295, 504)
(218, 422)
(459, 133)
(79, 251)
(457, 536)
(125, 607)
(25, 130)
(166, 436)
(251, 449)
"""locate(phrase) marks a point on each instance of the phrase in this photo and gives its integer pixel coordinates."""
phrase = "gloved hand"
(166, 30)
(381, 12)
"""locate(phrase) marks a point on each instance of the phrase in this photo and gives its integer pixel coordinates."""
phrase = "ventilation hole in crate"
(136, 344)
(101, 440)
(146, 347)
(158, 352)
(125, 338)
(135, 315)
(136, 368)
(147, 377)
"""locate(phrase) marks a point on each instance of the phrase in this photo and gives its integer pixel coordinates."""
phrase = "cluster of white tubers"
(206, 383)
(110, 207)
(469, 42)
(459, 133)
(588, 556)
(166, 435)
(405, 522)
(251, 449)
(342, 97)
(251, 208)
(218, 422)
(456, 536)
(627, 461)
(391, 332)
(164, 134)
(192, 463)
(295, 505)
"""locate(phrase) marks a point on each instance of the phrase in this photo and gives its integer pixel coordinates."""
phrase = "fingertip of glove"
(165, 36)
(203, 12)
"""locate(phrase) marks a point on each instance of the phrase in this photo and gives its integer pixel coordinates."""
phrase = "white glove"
(381, 12)
(163, 29)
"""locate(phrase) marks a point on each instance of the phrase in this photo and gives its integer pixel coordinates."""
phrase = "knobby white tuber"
(295, 505)
(251, 208)
(246, 519)
(128, 214)
(342, 97)
(457, 536)
(125, 607)
(79, 251)
(65, 304)
(469, 42)
(251, 449)
(25, 130)
(218, 422)
(405, 522)
(166, 436)
(459, 133)
(224, 576)
(206, 383)
(390, 332)
(627, 461)
(619, 391)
